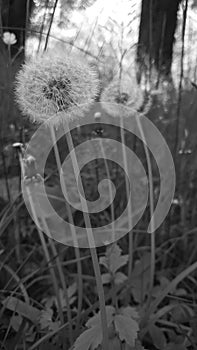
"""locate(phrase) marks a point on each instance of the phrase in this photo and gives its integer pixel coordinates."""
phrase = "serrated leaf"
(120, 277)
(127, 329)
(23, 309)
(90, 339)
(131, 312)
(96, 320)
(117, 263)
(103, 261)
(113, 260)
(106, 278)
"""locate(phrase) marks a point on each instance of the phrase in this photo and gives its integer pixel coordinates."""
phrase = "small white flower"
(9, 38)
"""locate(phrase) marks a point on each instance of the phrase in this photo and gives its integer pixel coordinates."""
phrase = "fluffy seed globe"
(54, 87)
(122, 97)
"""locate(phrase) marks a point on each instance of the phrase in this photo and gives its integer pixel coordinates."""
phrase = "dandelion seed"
(9, 38)
(122, 97)
(52, 88)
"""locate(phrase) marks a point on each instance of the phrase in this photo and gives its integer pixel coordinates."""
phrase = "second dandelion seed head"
(122, 97)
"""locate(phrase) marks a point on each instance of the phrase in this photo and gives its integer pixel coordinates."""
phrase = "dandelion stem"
(73, 231)
(46, 252)
(114, 301)
(90, 239)
(110, 188)
(47, 256)
(151, 195)
(130, 264)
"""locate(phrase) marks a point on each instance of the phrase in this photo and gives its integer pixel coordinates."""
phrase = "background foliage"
(50, 302)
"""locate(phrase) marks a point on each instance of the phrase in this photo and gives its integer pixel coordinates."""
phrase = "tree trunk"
(156, 36)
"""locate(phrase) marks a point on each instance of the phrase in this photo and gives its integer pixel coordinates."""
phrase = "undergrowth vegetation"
(138, 292)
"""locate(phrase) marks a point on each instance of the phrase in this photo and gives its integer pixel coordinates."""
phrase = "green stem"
(110, 188)
(114, 299)
(130, 264)
(151, 195)
(47, 256)
(90, 240)
(73, 231)
(46, 253)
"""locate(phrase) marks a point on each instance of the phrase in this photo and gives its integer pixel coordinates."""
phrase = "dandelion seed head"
(54, 87)
(122, 97)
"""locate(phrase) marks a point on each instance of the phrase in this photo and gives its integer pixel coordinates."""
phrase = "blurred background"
(155, 42)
